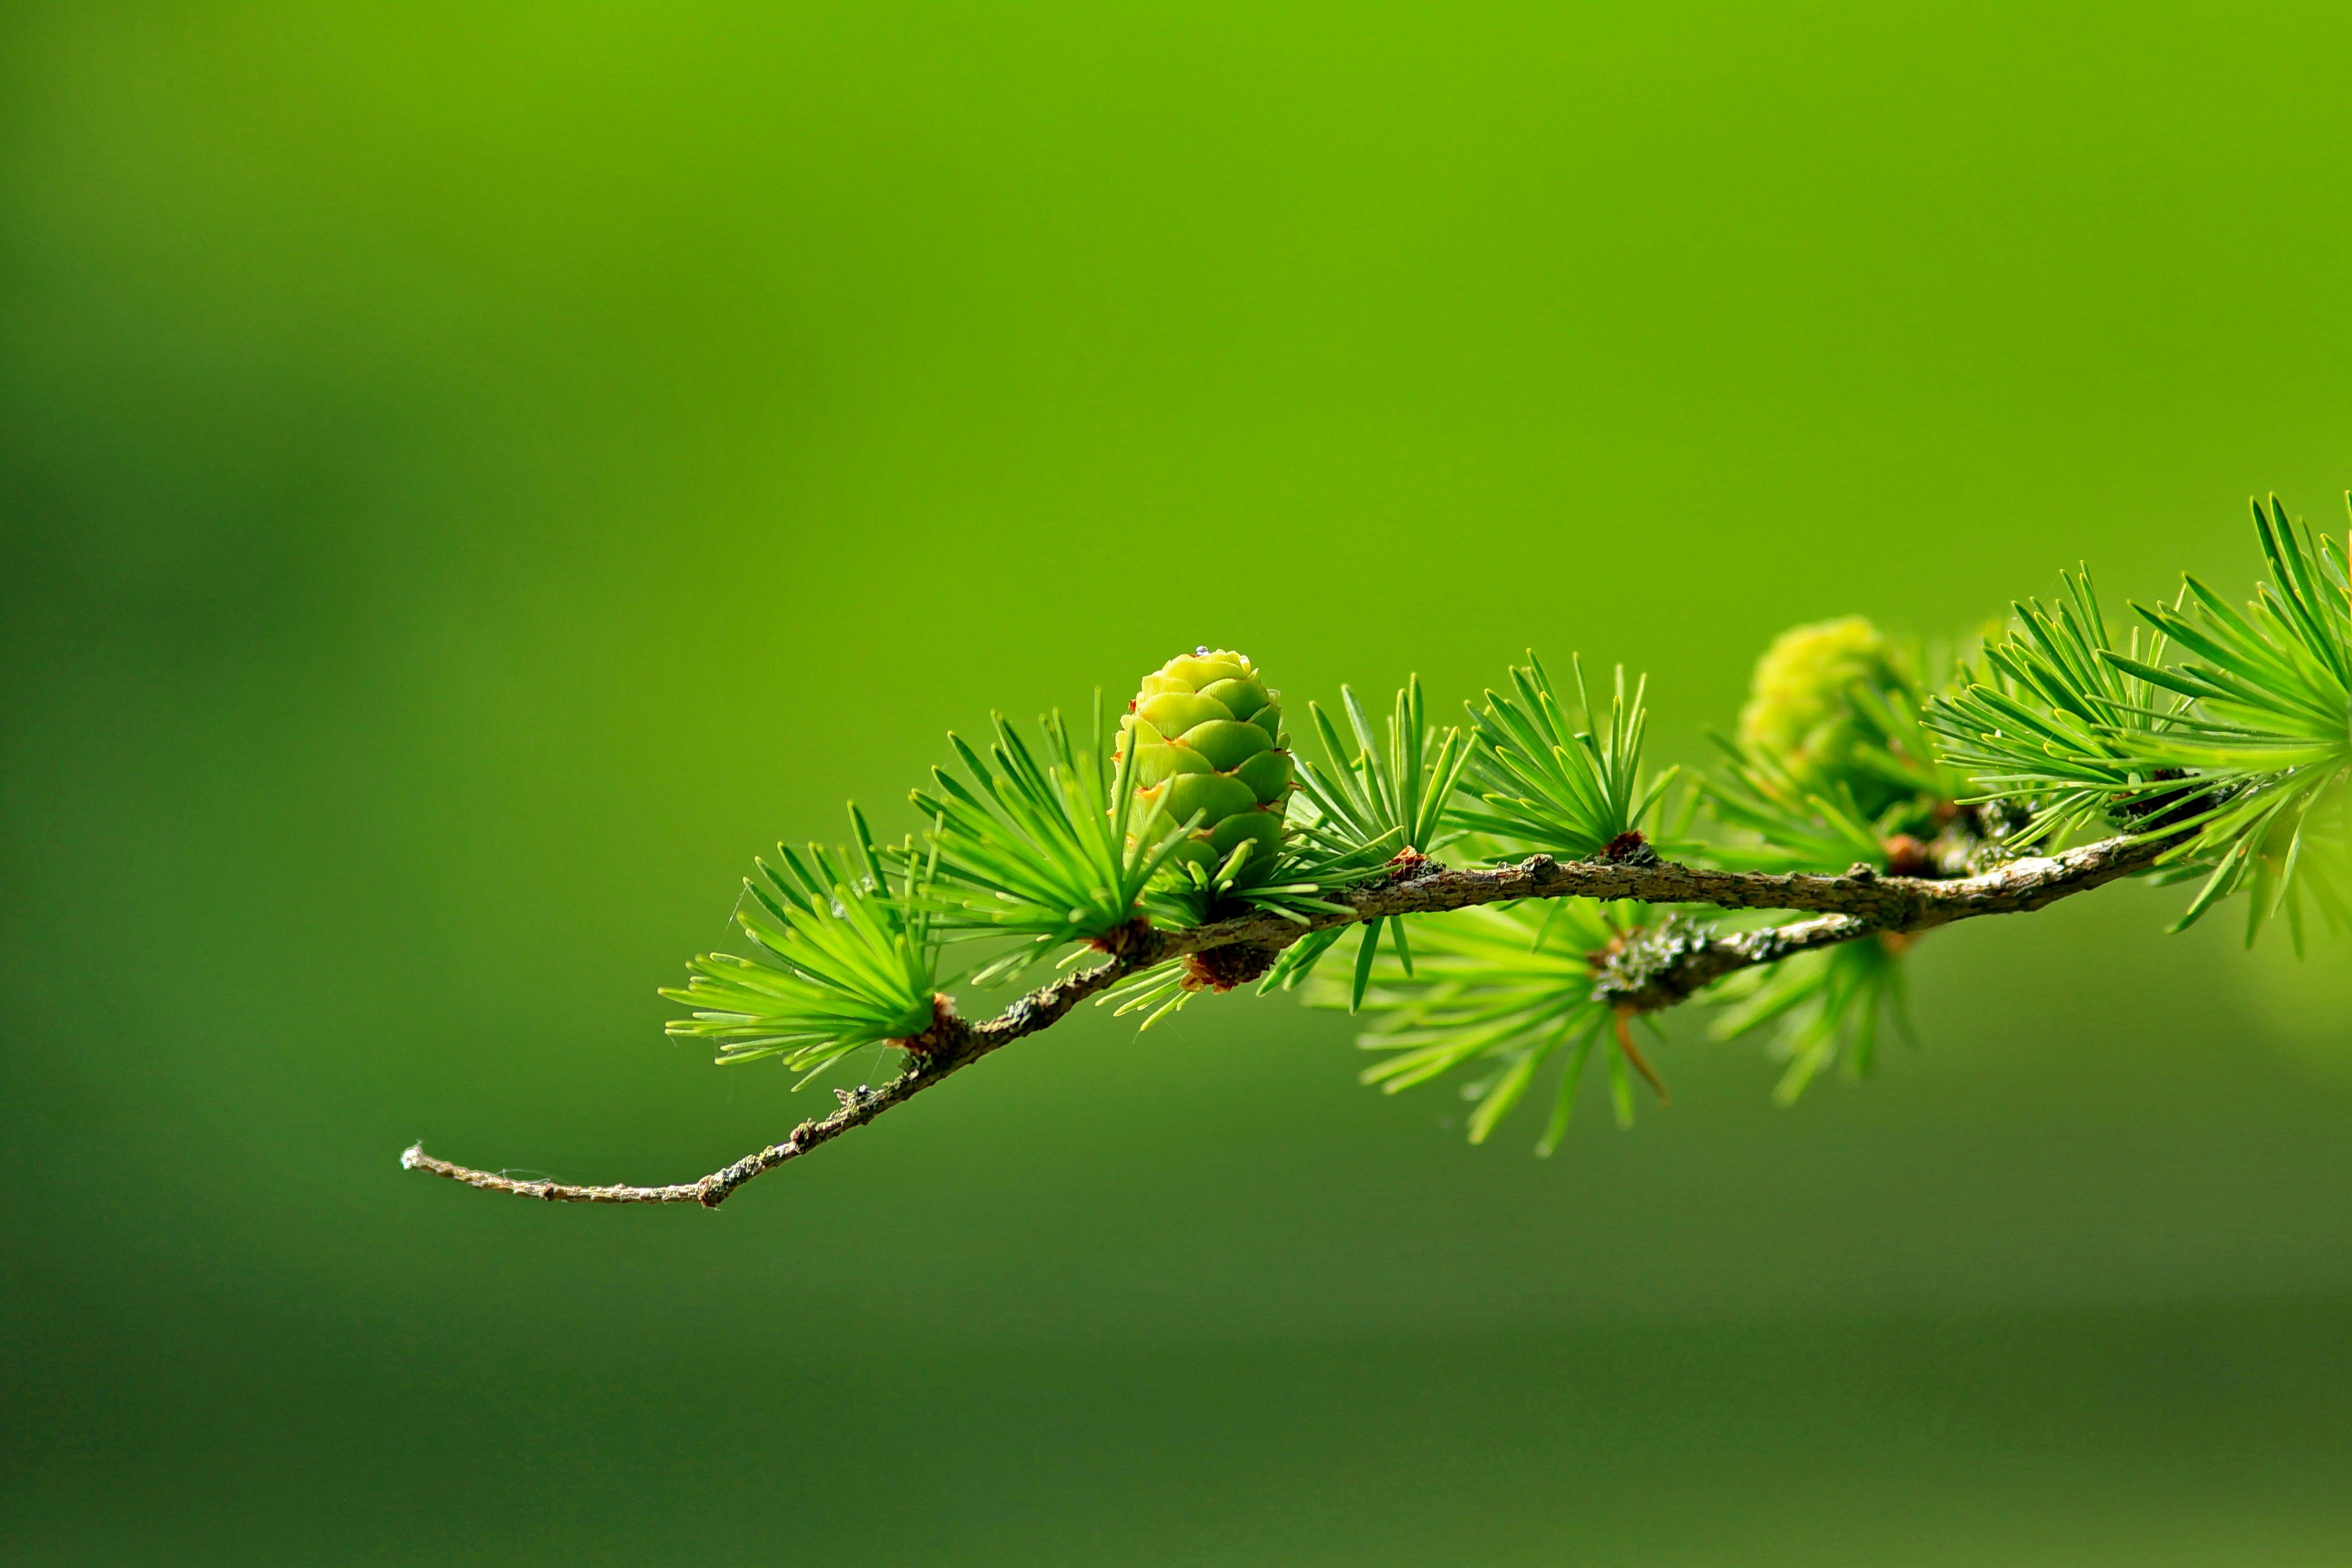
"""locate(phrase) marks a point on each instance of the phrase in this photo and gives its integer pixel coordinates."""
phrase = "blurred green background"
(475, 475)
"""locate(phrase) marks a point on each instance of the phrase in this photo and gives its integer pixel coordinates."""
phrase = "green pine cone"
(1798, 710)
(1208, 739)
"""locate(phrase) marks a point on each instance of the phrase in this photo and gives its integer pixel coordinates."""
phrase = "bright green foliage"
(1829, 1004)
(2053, 720)
(1393, 793)
(1783, 824)
(1057, 850)
(1386, 798)
(845, 959)
(1545, 784)
(2270, 723)
(1506, 988)
(1155, 993)
(1312, 867)
(2242, 749)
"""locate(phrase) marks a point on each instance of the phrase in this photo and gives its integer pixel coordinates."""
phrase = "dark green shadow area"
(2160, 1436)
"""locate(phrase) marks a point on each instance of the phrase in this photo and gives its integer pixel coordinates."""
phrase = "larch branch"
(1669, 964)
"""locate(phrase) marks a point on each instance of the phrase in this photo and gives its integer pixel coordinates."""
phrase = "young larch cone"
(1207, 735)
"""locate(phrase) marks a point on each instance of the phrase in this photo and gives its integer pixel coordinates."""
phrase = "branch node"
(1628, 849)
(1222, 968)
(944, 1034)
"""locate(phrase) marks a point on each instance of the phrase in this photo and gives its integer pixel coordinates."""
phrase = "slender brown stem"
(1657, 969)
(1634, 1054)
(947, 1046)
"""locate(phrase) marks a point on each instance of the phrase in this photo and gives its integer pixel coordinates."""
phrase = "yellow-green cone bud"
(1207, 735)
(1798, 709)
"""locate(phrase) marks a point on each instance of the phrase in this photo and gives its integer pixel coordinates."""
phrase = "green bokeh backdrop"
(475, 475)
